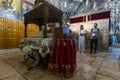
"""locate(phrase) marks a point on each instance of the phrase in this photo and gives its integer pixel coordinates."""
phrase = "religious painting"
(21, 29)
(14, 28)
(1, 27)
(27, 5)
(1, 21)
(10, 9)
(8, 28)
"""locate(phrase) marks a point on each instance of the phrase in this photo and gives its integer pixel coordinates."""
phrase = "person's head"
(81, 27)
(95, 25)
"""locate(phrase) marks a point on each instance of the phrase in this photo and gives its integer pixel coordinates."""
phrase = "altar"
(62, 54)
(59, 54)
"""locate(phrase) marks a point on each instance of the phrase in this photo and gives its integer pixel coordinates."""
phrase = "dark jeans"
(93, 42)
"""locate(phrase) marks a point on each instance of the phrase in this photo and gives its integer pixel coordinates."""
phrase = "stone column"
(45, 17)
(25, 34)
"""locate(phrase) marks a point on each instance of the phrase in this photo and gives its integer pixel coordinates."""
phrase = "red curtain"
(97, 16)
(78, 19)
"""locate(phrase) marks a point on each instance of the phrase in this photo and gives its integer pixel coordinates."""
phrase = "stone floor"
(102, 66)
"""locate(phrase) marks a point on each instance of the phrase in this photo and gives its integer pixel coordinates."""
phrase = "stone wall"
(82, 7)
(103, 25)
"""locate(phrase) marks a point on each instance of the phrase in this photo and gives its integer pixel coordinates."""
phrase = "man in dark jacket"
(94, 34)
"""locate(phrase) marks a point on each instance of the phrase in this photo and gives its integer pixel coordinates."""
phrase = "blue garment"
(114, 40)
(66, 30)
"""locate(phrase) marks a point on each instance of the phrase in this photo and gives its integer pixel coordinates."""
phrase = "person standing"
(81, 39)
(94, 34)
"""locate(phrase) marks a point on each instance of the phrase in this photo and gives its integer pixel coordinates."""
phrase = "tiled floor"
(102, 66)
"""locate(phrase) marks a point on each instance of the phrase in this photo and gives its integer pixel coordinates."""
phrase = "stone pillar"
(45, 26)
(61, 21)
(25, 34)
(45, 17)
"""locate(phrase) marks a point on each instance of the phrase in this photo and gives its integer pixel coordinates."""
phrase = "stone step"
(114, 50)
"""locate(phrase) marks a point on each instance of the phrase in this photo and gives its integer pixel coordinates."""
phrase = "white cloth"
(81, 40)
(44, 44)
(27, 50)
(40, 44)
(38, 35)
(94, 32)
